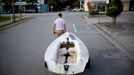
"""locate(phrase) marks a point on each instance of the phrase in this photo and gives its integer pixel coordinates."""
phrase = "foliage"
(8, 4)
(54, 4)
(71, 3)
(113, 9)
(131, 5)
(50, 2)
(59, 4)
(92, 8)
(76, 4)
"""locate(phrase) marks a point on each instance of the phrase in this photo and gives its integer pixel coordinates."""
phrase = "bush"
(92, 8)
(93, 12)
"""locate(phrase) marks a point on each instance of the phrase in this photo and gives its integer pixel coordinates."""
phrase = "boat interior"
(67, 52)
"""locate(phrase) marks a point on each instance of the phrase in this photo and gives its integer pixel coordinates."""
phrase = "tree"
(92, 7)
(76, 3)
(61, 4)
(54, 4)
(71, 3)
(131, 5)
(113, 9)
(7, 5)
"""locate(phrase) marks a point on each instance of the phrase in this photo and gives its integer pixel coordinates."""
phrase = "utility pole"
(80, 3)
(13, 11)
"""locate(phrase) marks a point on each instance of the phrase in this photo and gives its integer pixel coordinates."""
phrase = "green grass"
(4, 18)
(9, 24)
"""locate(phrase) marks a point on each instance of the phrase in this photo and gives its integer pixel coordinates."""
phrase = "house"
(38, 6)
(126, 5)
(101, 4)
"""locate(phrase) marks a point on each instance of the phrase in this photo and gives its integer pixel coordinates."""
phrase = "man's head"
(60, 15)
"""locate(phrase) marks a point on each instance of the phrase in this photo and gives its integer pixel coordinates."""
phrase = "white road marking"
(86, 17)
(74, 28)
(83, 31)
(88, 22)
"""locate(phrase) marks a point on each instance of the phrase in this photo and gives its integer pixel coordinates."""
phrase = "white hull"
(62, 57)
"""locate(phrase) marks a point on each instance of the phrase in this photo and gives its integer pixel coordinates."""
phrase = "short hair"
(60, 14)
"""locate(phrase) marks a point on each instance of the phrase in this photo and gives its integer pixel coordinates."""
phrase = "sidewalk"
(123, 36)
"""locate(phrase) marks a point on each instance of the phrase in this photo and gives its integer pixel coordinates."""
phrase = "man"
(59, 26)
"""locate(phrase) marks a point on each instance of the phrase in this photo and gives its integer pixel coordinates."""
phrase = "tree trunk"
(114, 21)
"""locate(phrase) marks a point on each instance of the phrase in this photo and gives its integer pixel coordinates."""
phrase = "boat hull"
(66, 55)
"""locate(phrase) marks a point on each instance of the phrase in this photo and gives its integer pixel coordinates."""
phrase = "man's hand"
(54, 29)
(54, 32)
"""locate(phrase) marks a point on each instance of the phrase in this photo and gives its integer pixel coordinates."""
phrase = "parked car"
(77, 9)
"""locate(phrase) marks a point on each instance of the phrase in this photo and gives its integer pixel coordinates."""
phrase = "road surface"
(22, 47)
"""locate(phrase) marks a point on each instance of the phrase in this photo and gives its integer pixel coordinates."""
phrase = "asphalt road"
(22, 47)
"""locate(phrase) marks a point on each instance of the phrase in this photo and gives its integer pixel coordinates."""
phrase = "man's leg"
(57, 32)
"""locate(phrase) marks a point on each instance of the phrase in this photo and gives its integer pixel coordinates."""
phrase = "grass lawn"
(6, 18)
(7, 21)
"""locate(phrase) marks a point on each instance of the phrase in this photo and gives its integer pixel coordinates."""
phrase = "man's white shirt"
(59, 22)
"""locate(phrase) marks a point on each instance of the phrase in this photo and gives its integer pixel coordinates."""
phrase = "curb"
(110, 38)
(124, 48)
(16, 23)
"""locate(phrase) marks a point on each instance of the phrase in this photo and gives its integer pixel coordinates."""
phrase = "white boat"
(67, 55)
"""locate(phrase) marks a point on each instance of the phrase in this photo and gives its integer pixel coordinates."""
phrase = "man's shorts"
(59, 32)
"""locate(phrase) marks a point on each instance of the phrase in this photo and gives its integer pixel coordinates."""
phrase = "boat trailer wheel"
(45, 65)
